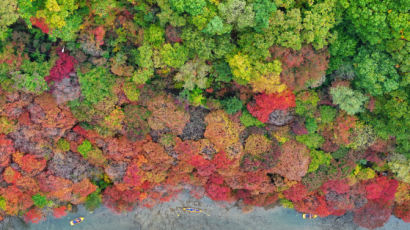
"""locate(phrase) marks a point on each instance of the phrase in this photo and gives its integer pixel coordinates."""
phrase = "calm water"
(168, 216)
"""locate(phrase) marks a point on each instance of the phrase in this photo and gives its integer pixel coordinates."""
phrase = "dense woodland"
(302, 103)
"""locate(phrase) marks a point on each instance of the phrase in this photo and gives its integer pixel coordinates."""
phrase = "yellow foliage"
(52, 6)
(268, 84)
(257, 144)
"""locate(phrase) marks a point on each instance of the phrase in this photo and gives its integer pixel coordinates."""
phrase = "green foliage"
(311, 140)
(2, 203)
(8, 15)
(222, 72)
(40, 201)
(311, 125)
(231, 105)
(327, 114)
(263, 9)
(306, 103)
(174, 55)
(96, 84)
(217, 27)
(286, 203)
(93, 201)
(318, 158)
(248, 120)
(154, 35)
(349, 100)
(376, 22)
(84, 148)
(194, 96)
(131, 91)
(194, 74)
(63, 144)
(390, 118)
(237, 13)
(192, 7)
(375, 72)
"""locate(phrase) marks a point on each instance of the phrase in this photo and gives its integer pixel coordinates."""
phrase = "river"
(215, 216)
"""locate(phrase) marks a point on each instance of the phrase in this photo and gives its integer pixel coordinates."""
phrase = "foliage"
(8, 12)
(248, 120)
(349, 100)
(318, 158)
(174, 55)
(312, 140)
(327, 114)
(375, 72)
(266, 103)
(93, 201)
(84, 148)
(96, 84)
(231, 105)
(63, 144)
(40, 201)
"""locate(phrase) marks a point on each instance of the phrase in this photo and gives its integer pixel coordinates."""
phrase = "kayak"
(309, 216)
(76, 221)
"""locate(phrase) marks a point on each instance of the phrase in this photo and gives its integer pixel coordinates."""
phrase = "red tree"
(296, 193)
(59, 211)
(217, 190)
(61, 69)
(34, 215)
(41, 24)
(265, 104)
(373, 215)
(381, 188)
(6, 149)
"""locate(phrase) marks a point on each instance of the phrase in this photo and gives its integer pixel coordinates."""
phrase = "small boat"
(309, 216)
(193, 210)
(76, 221)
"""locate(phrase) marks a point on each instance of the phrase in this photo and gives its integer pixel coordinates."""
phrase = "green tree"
(174, 55)
(349, 100)
(318, 158)
(96, 84)
(231, 105)
(40, 201)
(375, 71)
(84, 148)
(8, 15)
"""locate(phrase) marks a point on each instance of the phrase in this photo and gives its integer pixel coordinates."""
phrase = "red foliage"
(99, 34)
(381, 188)
(338, 186)
(315, 205)
(132, 176)
(266, 103)
(296, 193)
(120, 200)
(11, 175)
(373, 215)
(40, 23)
(61, 69)
(204, 167)
(59, 211)
(55, 187)
(402, 211)
(34, 215)
(216, 189)
(294, 161)
(84, 188)
(32, 164)
(300, 67)
(6, 149)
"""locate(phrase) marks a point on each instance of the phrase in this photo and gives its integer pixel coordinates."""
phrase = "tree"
(349, 100)
(63, 66)
(375, 71)
(96, 84)
(266, 103)
(9, 15)
(294, 161)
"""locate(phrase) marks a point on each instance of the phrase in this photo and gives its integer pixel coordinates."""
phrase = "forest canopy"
(128, 102)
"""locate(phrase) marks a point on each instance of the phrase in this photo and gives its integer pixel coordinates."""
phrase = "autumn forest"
(125, 103)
